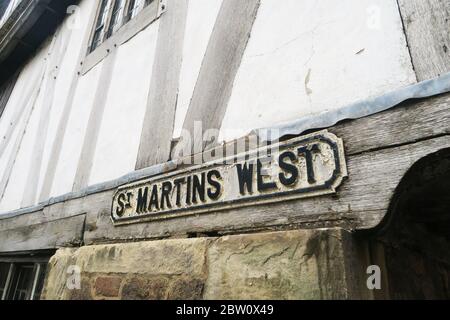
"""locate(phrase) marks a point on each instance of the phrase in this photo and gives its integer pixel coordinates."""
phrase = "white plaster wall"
(75, 132)
(303, 57)
(201, 17)
(69, 36)
(21, 87)
(6, 155)
(13, 196)
(121, 126)
(14, 191)
(306, 57)
(73, 31)
(24, 84)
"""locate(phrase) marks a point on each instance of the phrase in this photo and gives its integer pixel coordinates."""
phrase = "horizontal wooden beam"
(361, 203)
(380, 150)
(409, 122)
(66, 232)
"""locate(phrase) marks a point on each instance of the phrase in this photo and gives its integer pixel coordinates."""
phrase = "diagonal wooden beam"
(159, 118)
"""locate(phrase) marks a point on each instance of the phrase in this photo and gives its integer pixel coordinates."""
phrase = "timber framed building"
(224, 149)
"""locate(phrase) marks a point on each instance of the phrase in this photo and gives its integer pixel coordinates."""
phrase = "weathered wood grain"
(427, 25)
(409, 122)
(66, 209)
(33, 217)
(65, 232)
(376, 160)
(361, 202)
(219, 68)
(159, 118)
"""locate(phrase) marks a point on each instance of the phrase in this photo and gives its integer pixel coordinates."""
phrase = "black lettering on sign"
(289, 175)
(308, 153)
(121, 205)
(198, 188)
(213, 180)
(178, 184)
(129, 195)
(142, 200)
(245, 176)
(262, 185)
(188, 190)
(306, 166)
(165, 193)
(154, 203)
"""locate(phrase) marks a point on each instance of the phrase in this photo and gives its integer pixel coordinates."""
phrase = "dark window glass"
(130, 10)
(100, 25)
(4, 271)
(112, 15)
(134, 7)
(22, 282)
(115, 17)
(40, 281)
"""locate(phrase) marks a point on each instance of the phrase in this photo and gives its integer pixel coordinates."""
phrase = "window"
(116, 17)
(113, 14)
(21, 280)
(134, 7)
(4, 272)
(100, 24)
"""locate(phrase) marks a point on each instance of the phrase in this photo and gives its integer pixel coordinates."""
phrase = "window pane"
(147, 2)
(4, 270)
(97, 38)
(22, 283)
(116, 17)
(102, 13)
(40, 282)
(135, 7)
(131, 10)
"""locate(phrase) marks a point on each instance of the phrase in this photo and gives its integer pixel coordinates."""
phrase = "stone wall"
(301, 264)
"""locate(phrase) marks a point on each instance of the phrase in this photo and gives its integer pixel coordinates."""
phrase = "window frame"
(116, 14)
(122, 14)
(34, 260)
(151, 11)
(104, 25)
(129, 13)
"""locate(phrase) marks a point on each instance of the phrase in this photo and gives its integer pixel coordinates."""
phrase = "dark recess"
(41, 24)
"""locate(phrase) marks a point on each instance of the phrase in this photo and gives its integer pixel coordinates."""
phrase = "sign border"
(329, 187)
